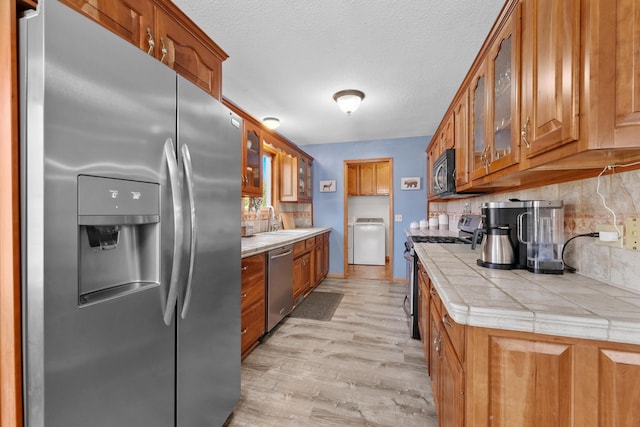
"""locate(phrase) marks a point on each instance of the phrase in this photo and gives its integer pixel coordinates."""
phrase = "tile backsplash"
(301, 212)
(583, 209)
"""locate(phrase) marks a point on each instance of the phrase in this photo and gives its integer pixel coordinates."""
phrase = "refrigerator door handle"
(178, 237)
(188, 169)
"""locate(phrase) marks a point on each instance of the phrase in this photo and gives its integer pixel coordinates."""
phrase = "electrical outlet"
(399, 218)
(632, 235)
(609, 227)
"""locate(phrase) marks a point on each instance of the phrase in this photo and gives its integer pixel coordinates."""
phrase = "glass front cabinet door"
(251, 174)
(495, 104)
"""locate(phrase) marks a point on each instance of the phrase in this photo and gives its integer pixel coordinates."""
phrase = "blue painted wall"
(409, 160)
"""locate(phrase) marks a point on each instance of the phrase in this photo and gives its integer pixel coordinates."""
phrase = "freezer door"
(208, 372)
(93, 106)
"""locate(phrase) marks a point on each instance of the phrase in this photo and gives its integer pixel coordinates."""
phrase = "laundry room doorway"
(368, 210)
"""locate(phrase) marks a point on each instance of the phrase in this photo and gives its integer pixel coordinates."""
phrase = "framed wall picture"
(410, 183)
(327, 186)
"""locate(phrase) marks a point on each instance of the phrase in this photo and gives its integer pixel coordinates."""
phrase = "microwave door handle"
(178, 233)
(188, 169)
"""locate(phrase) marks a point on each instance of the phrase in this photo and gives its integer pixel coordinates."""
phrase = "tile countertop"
(567, 305)
(263, 242)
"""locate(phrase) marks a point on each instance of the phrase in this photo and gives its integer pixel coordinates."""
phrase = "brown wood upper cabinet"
(159, 28)
(461, 140)
(296, 179)
(305, 178)
(495, 102)
(369, 179)
(554, 90)
(550, 75)
(251, 172)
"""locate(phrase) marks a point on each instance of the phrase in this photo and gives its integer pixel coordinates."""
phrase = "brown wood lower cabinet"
(495, 377)
(321, 264)
(447, 373)
(252, 302)
(301, 275)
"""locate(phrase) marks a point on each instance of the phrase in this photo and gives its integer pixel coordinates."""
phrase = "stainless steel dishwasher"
(279, 285)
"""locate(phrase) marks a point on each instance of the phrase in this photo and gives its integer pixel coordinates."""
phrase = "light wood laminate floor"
(359, 369)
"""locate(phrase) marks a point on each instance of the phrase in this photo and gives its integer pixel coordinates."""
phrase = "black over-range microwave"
(443, 174)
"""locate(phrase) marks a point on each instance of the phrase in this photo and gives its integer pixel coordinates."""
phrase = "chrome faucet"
(271, 215)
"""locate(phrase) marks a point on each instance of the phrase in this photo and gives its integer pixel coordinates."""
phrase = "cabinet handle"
(150, 41)
(243, 332)
(243, 295)
(437, 342)
(524, 133)
(445, 320)
(163, 50)
(245, 268)
(432, 292)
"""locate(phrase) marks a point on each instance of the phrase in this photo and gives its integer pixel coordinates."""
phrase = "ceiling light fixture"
(348, 100)
(271, 122)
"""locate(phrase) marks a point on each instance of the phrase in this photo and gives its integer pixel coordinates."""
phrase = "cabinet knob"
(243, 295)
(525, 132)
(150, 41)
(243, 332)
(244, 268)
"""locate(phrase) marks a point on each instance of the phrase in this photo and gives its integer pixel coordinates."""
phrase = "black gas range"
(468, 227)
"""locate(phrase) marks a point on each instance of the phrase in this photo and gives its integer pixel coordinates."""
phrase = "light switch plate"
(609, 227)
(632, 234)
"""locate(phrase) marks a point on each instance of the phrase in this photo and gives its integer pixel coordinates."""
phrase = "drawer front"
(253, 279)
(252, 325)
(310, 242)
(299, 248)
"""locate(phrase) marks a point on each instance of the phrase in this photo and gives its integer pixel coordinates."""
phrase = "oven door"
(410, 303)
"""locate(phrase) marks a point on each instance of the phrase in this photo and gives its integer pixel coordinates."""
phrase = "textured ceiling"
(287, 59)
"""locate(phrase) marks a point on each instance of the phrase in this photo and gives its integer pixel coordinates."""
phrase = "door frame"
(345, 174)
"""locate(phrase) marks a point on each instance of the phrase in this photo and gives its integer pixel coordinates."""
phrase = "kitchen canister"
(443, 221)
(433, 222)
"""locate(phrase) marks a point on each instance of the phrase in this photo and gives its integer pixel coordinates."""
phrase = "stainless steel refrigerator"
(131, 247)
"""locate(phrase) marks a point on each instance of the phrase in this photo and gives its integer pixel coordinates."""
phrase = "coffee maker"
(500, 247)
(522, 234)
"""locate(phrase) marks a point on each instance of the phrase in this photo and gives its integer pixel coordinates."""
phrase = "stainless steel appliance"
(545, 231)
(279, 285)
(500, 247)
(443, 176)
(131, 250)
(467, 226)
(443, 180)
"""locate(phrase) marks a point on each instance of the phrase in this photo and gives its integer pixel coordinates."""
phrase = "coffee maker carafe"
(500, 247)
(544, 235)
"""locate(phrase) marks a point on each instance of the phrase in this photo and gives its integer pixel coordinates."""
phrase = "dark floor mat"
(318, 306)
